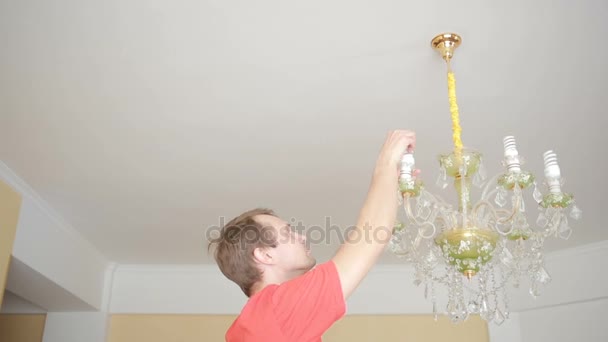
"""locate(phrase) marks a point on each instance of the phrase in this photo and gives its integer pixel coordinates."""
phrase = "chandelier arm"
(404, 253)
(420, 225)
(500, 220)
(490, 194)
(408, 210)
(515, 211)
(495, 214)
(444, 205)
(437, 199)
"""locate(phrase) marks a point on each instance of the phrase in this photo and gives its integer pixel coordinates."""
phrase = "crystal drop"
(576, 213)
(435, 314)
(482, 171)
(477, 181)
(442, 178)
(553, 215)
(522, 221)
(538, 196)
(480, 176)
(501, 197)
(395, 244)
(451, 308)
(534, 292)
(473, 307)
(417, 282)
(426, 291)
(456, 313)
(565, 235)
(542, 221)
(499, 317)
(431, 259)
(484, 312)
(416, 242)
(542, 276)
(506, 257)
(564, 229)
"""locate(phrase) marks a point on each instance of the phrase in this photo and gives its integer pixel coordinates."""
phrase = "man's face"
(291, 254)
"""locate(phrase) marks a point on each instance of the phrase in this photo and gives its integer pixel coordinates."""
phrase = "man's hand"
(397, 143)
(377, 217)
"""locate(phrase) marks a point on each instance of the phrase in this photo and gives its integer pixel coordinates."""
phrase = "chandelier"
(476, 249)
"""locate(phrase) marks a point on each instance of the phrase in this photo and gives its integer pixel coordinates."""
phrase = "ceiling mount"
(445, 44)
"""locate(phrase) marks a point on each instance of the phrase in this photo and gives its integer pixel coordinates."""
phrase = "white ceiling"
(143, 122)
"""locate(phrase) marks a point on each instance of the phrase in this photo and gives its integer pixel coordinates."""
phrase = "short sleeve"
(307, 306)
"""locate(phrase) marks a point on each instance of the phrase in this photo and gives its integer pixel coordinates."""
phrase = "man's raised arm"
(376, 220)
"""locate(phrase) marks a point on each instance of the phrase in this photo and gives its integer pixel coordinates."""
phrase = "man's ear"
(263, 255)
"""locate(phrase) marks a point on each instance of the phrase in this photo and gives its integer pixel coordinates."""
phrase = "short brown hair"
(234, 248)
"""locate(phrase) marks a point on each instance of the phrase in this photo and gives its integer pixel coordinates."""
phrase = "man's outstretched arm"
(365, 243)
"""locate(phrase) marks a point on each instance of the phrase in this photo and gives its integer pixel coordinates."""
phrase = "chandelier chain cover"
(475, 250)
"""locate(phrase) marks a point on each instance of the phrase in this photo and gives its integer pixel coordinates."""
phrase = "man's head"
(258, 247)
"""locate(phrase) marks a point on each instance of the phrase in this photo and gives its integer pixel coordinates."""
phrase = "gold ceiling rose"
(477, 248)
(445, 44)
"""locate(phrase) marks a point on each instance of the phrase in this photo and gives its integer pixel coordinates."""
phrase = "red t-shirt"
(299, 310)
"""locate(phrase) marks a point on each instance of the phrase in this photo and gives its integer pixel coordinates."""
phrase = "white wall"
(13, 304)
(509, 331)
(60, 256)
(388, 289)
(575, 278)
(584, 322)
(75, 327)
(203, 289)
(36, 288)
(173, 289)
(53, 249)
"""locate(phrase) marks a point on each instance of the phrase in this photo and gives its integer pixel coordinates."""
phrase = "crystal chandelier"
(476, 249)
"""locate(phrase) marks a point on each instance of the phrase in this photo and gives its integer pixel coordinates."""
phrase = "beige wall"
(359, 328)
(10, 202)
(165, 328)
(356, 328)
(21, 328)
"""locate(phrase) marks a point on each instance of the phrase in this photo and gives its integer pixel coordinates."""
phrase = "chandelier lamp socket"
(407, 166)
(511, 155)
(552, 172)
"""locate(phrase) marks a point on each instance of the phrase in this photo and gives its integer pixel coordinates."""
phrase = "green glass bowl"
(411, 187)
(480, 246)
(559, 200)
(451, 163)
(523, 178)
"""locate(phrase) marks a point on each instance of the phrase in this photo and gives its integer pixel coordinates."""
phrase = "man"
(289, 300)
